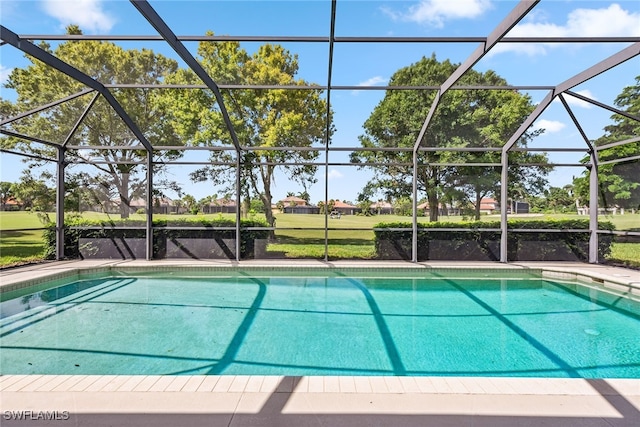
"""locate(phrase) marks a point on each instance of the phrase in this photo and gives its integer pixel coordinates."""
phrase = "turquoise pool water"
(336, 322)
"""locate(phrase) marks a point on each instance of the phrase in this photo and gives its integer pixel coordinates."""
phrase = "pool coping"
(232, 400)
(616, 278)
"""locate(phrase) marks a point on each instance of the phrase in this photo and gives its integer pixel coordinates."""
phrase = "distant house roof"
(157, 201)
(11, 201)
(425, 205)
(381, 205)
(294, 199)
(223, 202)
(488, 203)
(339, 204)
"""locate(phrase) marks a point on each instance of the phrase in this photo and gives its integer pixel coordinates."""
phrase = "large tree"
(118, 174)
(265, 118)
(464, 118)
(619, 182)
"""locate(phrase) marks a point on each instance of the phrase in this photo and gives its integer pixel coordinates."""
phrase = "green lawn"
(297, 236)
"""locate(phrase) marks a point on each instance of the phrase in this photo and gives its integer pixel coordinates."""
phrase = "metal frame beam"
(60, 192)
(167, 34)
(322, 87)
(498, 35)
(599, 68)
(593, 213)
(327, 142)
(621, 160)
(601, 105)
(518, 12)
(323, 39)
(615, 144)
(29, 138)
(46, 106)
(31, 156)
(31, 49)
(80, 120)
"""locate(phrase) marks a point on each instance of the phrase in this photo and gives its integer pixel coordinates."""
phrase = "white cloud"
(373, 81)
(549, 126)
(578, 102)
(436, 12)
(4, 73)
(87, 14)
(335, 174)
(613, 21)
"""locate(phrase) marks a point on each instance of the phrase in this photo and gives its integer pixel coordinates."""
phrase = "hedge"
(126, 239)
(476, 243)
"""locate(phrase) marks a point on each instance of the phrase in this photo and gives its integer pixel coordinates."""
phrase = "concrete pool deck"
(227, 400)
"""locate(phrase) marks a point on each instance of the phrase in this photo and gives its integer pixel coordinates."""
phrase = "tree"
(34, 194)
(5, 193)
(102, 128)
(326, 208)
(190, 204)
(403, 206)
(261, 118)
(559, 199)
(365, 207)
(469, 118)
(619, 183)
(304, 195)
(256, 206)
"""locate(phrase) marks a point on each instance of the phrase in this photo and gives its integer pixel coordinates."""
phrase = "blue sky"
(355, 64)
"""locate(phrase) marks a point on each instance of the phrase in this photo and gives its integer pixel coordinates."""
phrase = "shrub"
(126, 238)
(480, 241)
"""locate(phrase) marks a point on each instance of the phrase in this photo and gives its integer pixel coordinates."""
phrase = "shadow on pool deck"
(608, 408)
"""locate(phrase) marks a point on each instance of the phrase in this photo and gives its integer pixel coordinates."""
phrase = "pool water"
(324, 323)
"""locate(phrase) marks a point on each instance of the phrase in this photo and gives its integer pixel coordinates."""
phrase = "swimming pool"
(320, 322)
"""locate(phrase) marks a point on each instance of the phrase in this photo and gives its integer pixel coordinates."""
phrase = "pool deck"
(81, 400)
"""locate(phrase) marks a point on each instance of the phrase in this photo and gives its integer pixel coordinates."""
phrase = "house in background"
(488, 206)
(381, 208)
(161, 205)
(301, 209)
(296, 205)
(220, 206)
(293, 201)
(345, 208)
(11, 204)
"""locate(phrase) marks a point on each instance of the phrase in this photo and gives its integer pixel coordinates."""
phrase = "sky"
(369, 63)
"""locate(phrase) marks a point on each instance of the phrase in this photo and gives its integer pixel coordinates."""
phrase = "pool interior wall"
(394, 363)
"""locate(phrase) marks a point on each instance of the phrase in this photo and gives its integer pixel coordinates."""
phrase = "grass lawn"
(297, 235)
(627, 254)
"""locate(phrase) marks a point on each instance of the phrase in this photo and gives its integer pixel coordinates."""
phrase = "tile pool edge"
(317, 384)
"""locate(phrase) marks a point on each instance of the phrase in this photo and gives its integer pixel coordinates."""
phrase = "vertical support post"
(149, 210)
(60, 190)
(326, 203)
(593, 209)
(414, 215)
(238, 201)
(332, 32)
(504, 182)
